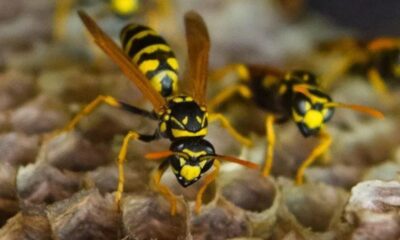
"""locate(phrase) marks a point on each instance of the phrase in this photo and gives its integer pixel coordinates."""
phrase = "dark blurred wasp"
(378, 60)
(150, 64)
(291, 95)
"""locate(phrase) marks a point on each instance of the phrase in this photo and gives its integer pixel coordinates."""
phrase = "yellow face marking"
(149, 65)
(173, 63)
(190, 172)
(202, 164)
(185, 120)
(182, 161)
(313, 119)
(151, 49)
(178, 133)
(125, 7)
(194, 154)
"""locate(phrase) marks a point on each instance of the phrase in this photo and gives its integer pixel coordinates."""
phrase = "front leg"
(132, 135)
(207, 181)
(322, 147)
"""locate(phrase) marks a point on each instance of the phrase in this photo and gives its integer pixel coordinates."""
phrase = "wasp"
(377, 59)
(149, 63)
(121, 9)
(292, 95)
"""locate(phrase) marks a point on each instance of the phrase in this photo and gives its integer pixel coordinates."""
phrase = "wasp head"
(309, 110)
(192, 158)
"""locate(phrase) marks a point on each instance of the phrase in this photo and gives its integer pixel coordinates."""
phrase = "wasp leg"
(239, 69)
(325, 142)
(62, 9)
(227, 93)
(337, 71)
(269, 154)
(94, 104)
(122, 157)
(232, 131)
(377, 82)
(163, 189)
(207, 181)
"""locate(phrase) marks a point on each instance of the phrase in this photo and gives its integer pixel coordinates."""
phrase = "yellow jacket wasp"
(292, 95)
(183, 119)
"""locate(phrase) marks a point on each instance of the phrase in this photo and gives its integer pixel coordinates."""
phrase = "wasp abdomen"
(154, 57)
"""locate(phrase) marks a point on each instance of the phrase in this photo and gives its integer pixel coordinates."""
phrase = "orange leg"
(207, 181)
(324, 144)
(163, 189)
(121, 159)
(269, 155)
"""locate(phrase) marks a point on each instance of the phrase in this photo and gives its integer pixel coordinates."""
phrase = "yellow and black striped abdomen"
(154, 57)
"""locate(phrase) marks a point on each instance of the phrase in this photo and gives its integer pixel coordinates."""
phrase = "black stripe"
(320, 94)
(129, 33)
(161, 67)
(139, 44)
(157, 55)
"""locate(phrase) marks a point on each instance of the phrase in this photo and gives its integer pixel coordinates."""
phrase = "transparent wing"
(130, 70)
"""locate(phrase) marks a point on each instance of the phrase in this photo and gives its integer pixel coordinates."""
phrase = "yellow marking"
(202, 164)
(203, 109)
(174, 170)
(185, 120)
(182, 161)
(149, 65)
(269, 80)
(203, 122)
(307, 106)
(190, 172)
(127, 29)
(173, 63)
(288, 76)
(177, 122)
(297, 117)
(156, 81)
(243, 72)
(138, 36)
(188, 99)
(194, 154)
(163, 127)
(151, 49)
(199, 120)
(125, 7)
(396, 70)
(178, 133)
(306, 77)
(178, 100)
(313, 119)
(282, 89)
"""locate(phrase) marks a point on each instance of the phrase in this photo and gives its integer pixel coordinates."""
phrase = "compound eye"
(327, 113)
(303, 106)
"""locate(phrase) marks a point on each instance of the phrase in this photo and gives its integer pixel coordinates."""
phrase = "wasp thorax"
(193, 158)
(184, 119)
(310, 112)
